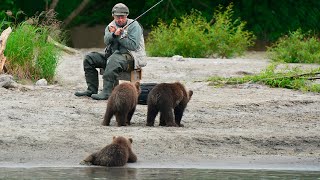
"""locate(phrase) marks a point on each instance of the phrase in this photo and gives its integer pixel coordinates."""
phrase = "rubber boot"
(92, 83)
(106, 91)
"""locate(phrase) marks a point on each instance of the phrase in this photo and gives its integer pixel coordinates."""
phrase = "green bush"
(193, 36)
(297, 47)
(155, 45)
(227, 38)
(186, 38)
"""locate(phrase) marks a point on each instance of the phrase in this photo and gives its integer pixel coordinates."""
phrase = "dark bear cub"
(170, 99)
(118, 153)
(122, 103)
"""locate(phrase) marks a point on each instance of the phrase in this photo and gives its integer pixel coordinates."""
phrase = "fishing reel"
(124, 34)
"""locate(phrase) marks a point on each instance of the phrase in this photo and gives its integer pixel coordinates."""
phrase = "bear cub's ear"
(130, 139)
(137, 84)
(190, 94)
(114, 137)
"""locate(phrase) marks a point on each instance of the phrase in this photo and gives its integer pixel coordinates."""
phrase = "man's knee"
(87, 62)
(112, 71)
(94, 60)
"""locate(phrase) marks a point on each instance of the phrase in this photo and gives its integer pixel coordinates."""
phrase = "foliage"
(297, 47)
(29, 54)
(268, 19)
(193, 36)
(8, 19)
(6, 5)
(186, 38)
(291, 78)
(9, 13)
(163, 33)
(227, 38)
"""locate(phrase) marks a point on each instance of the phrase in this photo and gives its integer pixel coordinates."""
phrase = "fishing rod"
(142, 14)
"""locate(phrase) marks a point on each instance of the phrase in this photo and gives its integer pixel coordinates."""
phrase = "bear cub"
(118, 153)
(122, 103)
(170, 99)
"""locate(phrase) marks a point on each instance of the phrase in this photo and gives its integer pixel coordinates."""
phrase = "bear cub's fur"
(170, 99)
(118, 153)
(122, 103)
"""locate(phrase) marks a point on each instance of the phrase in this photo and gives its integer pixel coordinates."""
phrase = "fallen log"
(3, 40)
(62, 47)
(297, 76)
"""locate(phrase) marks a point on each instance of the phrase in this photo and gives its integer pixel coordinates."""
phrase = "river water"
(151, 173)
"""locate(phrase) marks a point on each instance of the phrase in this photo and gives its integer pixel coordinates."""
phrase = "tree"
(53, 4)
(75, 12)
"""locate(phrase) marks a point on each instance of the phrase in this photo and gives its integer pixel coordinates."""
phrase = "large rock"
(7, 81)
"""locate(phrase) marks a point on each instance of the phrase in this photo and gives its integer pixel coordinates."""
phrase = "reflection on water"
(160, 173)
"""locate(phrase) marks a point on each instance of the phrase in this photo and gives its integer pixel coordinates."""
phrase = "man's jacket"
(132, 43)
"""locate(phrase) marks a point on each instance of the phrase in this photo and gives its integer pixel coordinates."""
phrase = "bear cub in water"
(118, 153)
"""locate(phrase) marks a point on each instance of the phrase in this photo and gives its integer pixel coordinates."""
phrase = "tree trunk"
(53, 4)
(75, 12)
(3, 40)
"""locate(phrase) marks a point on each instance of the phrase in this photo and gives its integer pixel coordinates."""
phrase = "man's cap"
(120, 9)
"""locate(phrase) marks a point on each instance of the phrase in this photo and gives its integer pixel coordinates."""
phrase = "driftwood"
(313, 78)
(305, 74)
(3, 40)
(61, 46)
(297, 76)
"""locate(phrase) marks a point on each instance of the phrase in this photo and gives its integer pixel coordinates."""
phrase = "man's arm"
(108, 34)
(132, 41)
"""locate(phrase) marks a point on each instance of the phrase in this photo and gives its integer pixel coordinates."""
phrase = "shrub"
(227, 38)
(184, 38)
(297, 47)
(193, 36)
(155, 45)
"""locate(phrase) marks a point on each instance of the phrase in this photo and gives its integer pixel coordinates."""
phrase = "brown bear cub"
(118, 153)
(170, 99)
(122, 103)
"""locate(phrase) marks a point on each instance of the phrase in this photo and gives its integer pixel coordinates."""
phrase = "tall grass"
(29, 54)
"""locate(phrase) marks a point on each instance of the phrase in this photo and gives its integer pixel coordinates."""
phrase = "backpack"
(145, 89)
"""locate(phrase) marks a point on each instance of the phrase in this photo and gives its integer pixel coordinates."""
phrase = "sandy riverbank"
(241, 126)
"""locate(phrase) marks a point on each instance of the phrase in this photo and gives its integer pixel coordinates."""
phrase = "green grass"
(291, 78)
(29, 54)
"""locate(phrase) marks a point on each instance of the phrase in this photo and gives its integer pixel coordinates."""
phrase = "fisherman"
(125, 52)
